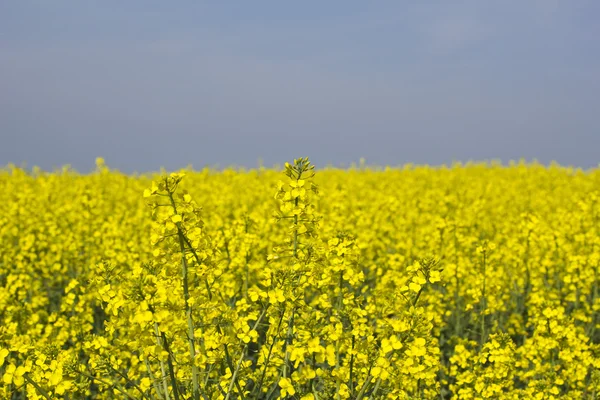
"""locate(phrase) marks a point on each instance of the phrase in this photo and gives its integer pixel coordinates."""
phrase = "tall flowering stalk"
(178, 232)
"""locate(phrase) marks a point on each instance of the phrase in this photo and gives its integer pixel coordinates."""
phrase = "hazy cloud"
(145, 84)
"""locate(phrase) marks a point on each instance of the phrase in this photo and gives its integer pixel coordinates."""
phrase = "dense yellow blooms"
(470, 282)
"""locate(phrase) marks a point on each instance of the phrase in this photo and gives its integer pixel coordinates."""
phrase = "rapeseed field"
(475, 281)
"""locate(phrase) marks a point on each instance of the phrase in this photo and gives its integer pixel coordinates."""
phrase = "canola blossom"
(473, 281)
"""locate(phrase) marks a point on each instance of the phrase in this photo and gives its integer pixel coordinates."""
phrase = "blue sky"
(150, 83)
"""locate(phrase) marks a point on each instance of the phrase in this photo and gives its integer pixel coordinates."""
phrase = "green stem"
(37, 387)
(151, 374)
(188, 308)
(375, 389)
(163, 371)
(288, 340)
(95, 378)
(171, 368)
(230, 364)
(351, 379)
(264, 371)
(363, 389)
(296, 220)
(417, 297)
(239, 363)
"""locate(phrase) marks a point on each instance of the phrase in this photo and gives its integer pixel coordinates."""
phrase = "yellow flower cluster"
(471, 282)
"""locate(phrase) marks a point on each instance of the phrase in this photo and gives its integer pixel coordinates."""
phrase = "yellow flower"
(286, 387)
(3, 354)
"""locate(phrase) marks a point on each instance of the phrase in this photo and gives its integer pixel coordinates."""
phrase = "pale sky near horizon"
(151, 83)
